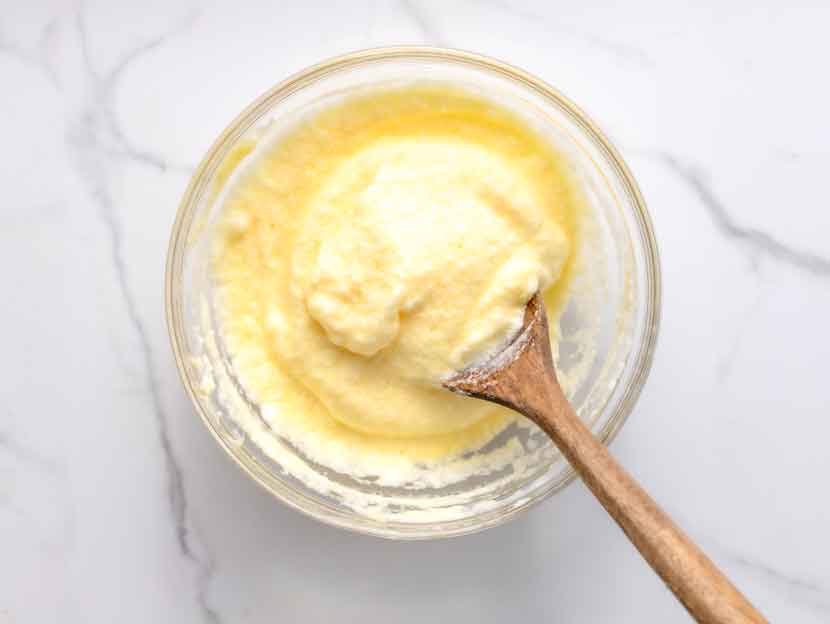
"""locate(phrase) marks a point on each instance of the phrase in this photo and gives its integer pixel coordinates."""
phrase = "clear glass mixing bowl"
(608, 330)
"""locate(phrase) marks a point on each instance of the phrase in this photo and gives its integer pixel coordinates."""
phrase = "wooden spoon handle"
(523, 378)
(702, 588)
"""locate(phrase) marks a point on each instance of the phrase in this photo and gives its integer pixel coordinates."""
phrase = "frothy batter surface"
(383, 243)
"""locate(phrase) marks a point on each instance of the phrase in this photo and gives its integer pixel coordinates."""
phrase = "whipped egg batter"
(381, 244)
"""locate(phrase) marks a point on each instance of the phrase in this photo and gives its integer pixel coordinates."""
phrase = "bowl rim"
(653, 295)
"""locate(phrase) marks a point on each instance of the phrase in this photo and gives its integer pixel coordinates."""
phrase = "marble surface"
(116, 505)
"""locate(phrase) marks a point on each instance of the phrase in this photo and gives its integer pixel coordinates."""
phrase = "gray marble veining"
(754, 238)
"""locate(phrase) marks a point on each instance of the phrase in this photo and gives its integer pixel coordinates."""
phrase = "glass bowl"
(607, 330)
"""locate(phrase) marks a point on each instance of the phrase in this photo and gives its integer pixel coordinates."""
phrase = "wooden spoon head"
(524, 362)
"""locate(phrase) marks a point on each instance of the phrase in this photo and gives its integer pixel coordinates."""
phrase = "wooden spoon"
(522, 377)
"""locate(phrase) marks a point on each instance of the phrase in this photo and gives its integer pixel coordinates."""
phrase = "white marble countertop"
(117, 506)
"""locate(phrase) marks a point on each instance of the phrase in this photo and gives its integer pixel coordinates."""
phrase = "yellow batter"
(384, 242)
